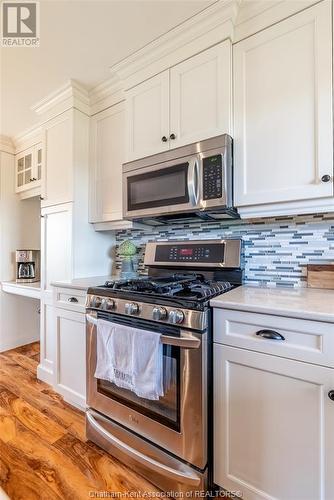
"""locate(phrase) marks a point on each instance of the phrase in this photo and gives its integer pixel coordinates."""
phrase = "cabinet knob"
(73, 299)
(331, 395)
(164, 138)
(325, 178)
(41, 198)
(172, 136)
(270, 335)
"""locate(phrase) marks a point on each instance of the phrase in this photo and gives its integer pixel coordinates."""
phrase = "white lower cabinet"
(273, 426)
(71, 356)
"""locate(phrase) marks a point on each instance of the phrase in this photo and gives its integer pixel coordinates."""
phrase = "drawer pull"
(270, 334)
(73, 299)
(331, 395)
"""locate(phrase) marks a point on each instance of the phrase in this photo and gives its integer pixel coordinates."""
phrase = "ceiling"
(80, 39)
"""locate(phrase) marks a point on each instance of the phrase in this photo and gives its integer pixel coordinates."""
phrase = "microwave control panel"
(212, 177)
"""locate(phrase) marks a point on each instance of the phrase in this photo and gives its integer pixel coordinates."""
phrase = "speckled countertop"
(306, 303)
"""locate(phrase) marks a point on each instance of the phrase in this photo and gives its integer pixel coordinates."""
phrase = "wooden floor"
(43, 452)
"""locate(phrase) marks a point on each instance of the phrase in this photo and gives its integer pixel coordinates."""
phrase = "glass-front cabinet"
(29, 169)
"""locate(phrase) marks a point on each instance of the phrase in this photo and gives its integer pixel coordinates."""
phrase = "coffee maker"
(27, 266)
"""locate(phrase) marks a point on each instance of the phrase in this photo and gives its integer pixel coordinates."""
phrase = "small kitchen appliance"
(168, 440)
(186, 183)
(27, 266)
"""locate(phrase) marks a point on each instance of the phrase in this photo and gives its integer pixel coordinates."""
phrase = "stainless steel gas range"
(167, 440)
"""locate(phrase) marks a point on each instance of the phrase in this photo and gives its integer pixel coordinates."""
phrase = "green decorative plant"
(127, 250)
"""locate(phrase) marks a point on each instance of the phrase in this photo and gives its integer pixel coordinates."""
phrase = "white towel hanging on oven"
(130, 358)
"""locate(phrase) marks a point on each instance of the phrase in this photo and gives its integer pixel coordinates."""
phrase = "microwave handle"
(193, 184)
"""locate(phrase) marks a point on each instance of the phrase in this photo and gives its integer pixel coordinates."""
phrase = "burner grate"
(183, 286)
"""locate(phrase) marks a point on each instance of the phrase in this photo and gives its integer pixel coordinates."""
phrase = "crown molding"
(210, 26)
(6, 145)
(27, 138)
(256, 15)
(70, 95)
(106, 94)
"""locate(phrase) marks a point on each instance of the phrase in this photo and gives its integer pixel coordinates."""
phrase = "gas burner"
(182, 286)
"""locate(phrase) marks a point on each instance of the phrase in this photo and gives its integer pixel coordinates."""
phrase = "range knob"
(107, 304)
(96, 302)
(175, 316)
(110, 304)
(131, 308)
(159, 313)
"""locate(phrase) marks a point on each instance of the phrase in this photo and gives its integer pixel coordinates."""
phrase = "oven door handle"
(189, 342)
(187, 477)
(193, 185)
(183, 342)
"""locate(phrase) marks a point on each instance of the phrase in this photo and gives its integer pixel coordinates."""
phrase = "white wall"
(19, 228)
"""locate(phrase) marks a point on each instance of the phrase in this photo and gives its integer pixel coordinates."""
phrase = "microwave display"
(207, 253)
(212, 177)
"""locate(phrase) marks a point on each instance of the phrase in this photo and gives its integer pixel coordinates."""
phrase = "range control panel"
(212, 177)
(190, 252)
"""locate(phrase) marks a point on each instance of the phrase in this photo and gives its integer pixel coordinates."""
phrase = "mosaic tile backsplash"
(275, 250)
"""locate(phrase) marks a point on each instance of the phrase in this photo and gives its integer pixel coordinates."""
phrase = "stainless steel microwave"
(181, 184)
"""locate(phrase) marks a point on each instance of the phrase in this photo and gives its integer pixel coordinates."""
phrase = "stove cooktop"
(181, 286)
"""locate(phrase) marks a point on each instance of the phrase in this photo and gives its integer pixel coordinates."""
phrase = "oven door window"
(159, 188)
(166, 410)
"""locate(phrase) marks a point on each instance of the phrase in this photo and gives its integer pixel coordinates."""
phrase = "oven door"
(176, 422)
(166, 188)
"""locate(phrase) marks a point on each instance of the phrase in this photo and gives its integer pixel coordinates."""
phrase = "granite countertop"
(84, 283)
(306, 303)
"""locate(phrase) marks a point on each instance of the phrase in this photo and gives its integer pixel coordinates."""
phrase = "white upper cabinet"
(29, 169)
(148, 117)
(200, 95)
(107, 154)
(58, 135)
(189, 102)
(283, 131)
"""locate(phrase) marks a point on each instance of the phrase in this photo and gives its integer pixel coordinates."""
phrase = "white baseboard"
(72, 397)
(13, 343)
(45, 374)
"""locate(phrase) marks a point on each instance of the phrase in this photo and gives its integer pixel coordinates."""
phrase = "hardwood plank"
(52, 466)
(43, 451)
(30, 417)
(108, 473)
(28, 349)
(26, 378)
(53, 407)
(28, 363)
(18, 477)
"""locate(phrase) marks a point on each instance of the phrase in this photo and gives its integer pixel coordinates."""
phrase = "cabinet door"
(25, 170)
(38, 162)
(148, 117)
(283, 141)
(107, 152)
(71, 356)
(56, 265)
(58, 147)
(273, 426)
(200, 96)
(56, 251)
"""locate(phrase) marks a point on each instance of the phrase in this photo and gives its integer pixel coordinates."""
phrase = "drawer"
(71, 299)
(303, 340)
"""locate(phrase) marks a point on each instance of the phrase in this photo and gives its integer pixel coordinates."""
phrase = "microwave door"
(162, 189)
